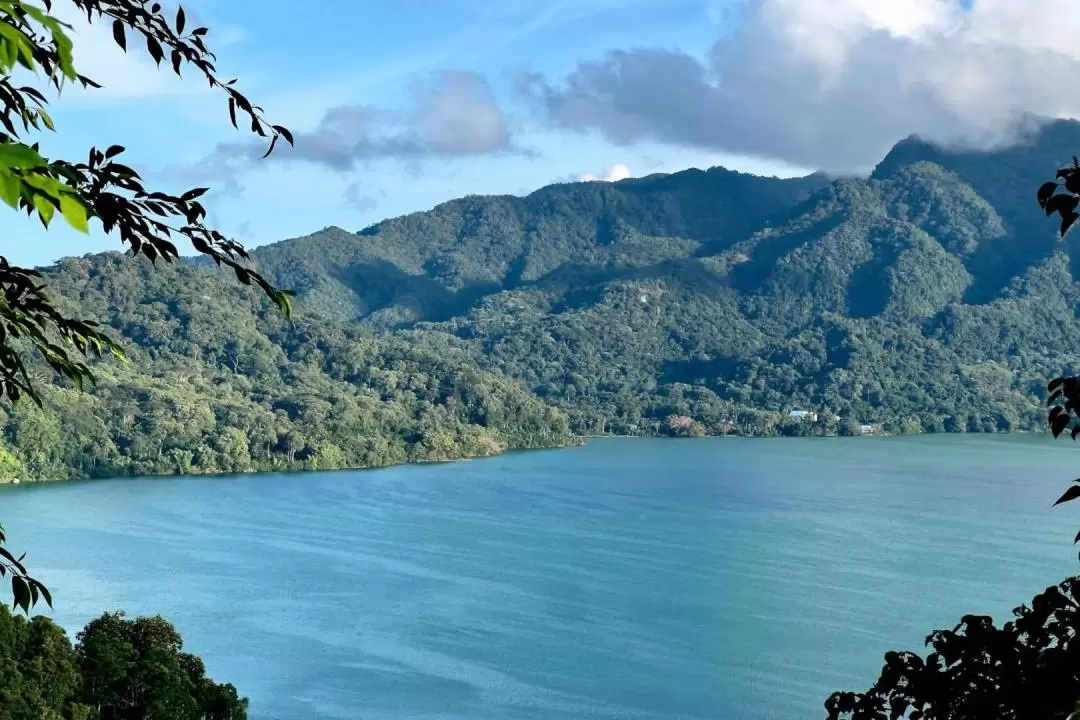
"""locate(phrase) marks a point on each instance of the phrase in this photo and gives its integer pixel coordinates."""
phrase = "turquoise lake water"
(717, 578)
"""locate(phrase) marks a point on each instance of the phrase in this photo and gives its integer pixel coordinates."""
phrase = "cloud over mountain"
(833, 83)
(614, 173)
(453, 114)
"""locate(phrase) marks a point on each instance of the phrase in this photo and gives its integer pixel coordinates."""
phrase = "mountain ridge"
(522, 239)
(928, 237)
(929, 296)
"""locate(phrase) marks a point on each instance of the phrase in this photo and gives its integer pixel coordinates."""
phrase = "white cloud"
(614, 173)
(833, 83)
(455, 115)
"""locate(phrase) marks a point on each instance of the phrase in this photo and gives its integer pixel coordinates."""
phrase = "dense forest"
(219, 381)
(118, 669)
(926, 297)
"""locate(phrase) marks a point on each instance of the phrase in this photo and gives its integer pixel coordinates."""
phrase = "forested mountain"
(930, 296)
(219, 381)
(437, 264)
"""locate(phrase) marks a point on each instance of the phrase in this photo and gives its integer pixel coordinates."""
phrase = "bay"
(713, 578)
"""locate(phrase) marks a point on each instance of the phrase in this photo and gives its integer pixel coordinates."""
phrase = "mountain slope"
(931, 296)
(1004, 179)
(731, 299)
(220, 382)
(436, 264)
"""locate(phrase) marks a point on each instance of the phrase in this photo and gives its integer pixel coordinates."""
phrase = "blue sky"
(343, 53)
(401, 104)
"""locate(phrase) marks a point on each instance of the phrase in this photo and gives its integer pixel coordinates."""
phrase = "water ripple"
(628, 579)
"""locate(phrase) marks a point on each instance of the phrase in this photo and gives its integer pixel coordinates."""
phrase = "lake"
(714, 578)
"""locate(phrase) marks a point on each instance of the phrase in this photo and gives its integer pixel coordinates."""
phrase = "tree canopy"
(219, 382)
(119, 669)
(37, 56)
(928, 297)
(1028, 669)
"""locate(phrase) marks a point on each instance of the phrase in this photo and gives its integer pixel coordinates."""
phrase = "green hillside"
(218, 381)
(931, 296)
(437, 264)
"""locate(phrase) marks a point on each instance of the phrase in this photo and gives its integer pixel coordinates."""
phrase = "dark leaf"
(1046, 192)
(285, 133)
(118, 34)
(270, 149)
(1062, 204)
(200, 245)
(20, 592)
(1072, 183)
(1059, 423)
(168, 251)
(154, 48)
(180, 20)
(44, 592)
(1067, 220)
(11, 558)
(1071, 494)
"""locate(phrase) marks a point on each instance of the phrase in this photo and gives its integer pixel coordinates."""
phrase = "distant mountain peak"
(1030, 133)
(932, 295)
(908, 151)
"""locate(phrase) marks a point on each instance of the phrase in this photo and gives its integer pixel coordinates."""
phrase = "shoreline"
(22, 482)
(576, 441)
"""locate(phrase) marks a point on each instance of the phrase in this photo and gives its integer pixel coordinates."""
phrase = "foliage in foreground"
(36, 48)
(119, 669)
(1028, 669)
(33, 39)
(1062, 197)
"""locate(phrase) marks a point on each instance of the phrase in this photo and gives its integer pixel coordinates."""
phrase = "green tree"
(101, 189)
(136, 670)
(120, 669)
(1028, 669)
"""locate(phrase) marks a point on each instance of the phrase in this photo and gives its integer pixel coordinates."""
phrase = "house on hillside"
(803, 415)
